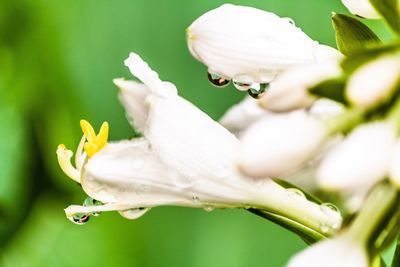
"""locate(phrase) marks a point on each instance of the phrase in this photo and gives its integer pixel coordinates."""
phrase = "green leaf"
(332, 89)
(309, 235)
(351, 63)
(352, 35)
(390, 11)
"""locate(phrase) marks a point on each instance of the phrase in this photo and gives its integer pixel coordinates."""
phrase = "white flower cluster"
(288, 132)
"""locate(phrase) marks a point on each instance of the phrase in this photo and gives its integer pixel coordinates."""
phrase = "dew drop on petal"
(184, 181)
(79, 218)
(133, 214)
(217, 80)
(92, 202)
(296, 193)
(291, 21)
(208, 208)
(257, 90)
(332, 211)
(195, 199)
(241, 86)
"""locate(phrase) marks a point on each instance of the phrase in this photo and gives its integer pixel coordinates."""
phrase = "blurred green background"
(57, 62)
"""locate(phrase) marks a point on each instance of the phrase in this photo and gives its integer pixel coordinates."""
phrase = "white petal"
(325, 108)
(374, 82)
(279, 144)
(394, 172)
(133, 95)
(188, 139)
(242, 115)
(235, 40)
(360, 160)
(362, 8)
(289, 90)
(340, 251)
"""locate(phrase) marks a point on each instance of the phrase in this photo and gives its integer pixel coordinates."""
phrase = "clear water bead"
(257, 90)
(217, 80)
(133, 214)
(295, 193)
(79, 218)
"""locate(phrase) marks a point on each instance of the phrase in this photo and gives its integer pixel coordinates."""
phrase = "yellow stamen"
(64, 160)
(94, 142)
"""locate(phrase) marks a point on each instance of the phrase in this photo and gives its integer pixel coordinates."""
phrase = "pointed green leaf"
(390, 11)
(352, 35)
(332, 89)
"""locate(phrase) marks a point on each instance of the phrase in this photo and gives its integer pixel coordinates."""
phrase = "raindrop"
(297, 193)
(217, 80)
(184, 181)
(291, 21)
(333, 212)
(92, 202)
(79, 218)
(133, 214)
(257, 90)
(324, 228)
(242, 86)
(195, 199)
(208, 208)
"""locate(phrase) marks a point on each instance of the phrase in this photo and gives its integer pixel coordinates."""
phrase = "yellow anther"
(94, 142)
(64, 160)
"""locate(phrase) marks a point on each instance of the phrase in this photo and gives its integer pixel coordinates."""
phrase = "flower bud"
(280, 144)
(374, 82)
(289, 90)
(340, 251)
(240, 116)
(362, 8)
(248, 44)
(360, 161)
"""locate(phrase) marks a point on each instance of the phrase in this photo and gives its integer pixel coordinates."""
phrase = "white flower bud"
(360, 161)
(242, 43)
(279, 144)
(240, 116)
(341, 251)
(394, 171)
(362, 8)
(289, 90)
(374, 82)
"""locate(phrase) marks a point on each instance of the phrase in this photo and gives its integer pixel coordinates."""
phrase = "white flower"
(184, 158)
(394, 171)
(240, 116)
(341, 251)
(250, 45)
(289, 90)
(362, 8)
(279, 144)
(360, 161)
(374, 81)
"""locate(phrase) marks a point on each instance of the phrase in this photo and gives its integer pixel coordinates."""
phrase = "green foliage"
(332, 89)
(390, 11)
(352, 35)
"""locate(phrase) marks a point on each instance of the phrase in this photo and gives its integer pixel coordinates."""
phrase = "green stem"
(396, 256)
(345, 121)
(394, 113)
(375, 213)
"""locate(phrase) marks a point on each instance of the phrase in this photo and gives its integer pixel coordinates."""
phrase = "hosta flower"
(184, 158)
(289, 90)
(279, 144)
(250, 46)
(341, 251)
(362, 8)
(361, 160)
(240, 116)
(374, 81)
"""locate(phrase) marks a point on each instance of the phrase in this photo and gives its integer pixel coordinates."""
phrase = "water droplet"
(195, 199)
(291, 21)
(184, 181)
(297, 193)
(242, 86)
(217, 80)
(333, 212)
(79, 218)
(257, 90)
(208, 208)
(92, 202)
(324, 228)
(133, 214)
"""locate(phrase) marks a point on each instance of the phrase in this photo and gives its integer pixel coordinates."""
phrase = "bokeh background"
(57, 62)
